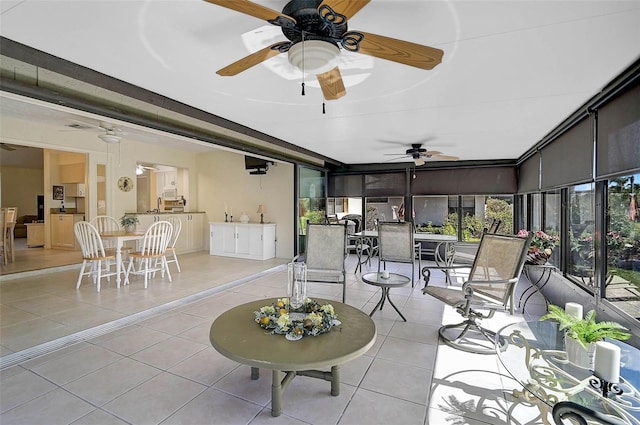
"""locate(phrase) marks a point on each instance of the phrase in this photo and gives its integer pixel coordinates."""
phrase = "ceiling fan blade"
(249, 8)
(249, 61)
(347, 8)
(445, 157)
(332, 84)
(400, 51)
(7, 147)
(431, 153)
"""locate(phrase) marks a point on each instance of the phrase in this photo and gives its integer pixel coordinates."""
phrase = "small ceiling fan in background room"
(316, 31)
(110, 133)
(420, 155)
(8, 147)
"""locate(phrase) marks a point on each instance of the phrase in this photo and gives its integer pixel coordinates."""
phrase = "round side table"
(386, 283)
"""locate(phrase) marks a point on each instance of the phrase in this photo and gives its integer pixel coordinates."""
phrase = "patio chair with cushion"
(490, 286)
(325, 254)
(396, 245)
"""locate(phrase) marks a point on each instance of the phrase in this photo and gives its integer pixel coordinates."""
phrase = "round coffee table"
(236, 336)
(386, 283)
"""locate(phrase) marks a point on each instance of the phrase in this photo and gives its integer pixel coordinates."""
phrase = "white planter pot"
(579, 355)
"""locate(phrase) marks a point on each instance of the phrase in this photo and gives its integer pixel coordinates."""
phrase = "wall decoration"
(58, 193)
(125, 184)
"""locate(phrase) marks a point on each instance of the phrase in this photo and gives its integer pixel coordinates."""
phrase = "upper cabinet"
(72, 173)
(77, 190)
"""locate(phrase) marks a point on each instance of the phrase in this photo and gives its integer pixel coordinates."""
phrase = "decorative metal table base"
(385, 294)
(537, 285)
(278, 387)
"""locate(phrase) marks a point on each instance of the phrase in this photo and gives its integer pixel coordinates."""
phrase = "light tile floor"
(162, 369)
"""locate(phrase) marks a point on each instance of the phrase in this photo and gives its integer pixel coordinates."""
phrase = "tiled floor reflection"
(163, 370)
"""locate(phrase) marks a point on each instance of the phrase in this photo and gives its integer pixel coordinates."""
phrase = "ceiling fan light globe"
(314, 56)
(109, 138)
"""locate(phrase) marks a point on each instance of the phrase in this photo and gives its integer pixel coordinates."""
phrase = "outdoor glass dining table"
(535, 357)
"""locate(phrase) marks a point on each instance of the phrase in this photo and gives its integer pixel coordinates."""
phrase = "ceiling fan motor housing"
(313, 23)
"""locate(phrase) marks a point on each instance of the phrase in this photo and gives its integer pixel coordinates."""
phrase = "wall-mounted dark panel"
(465, 181)
(529, 174)
(619, 134)
(385, 184)
(345, 185)
(569, 158)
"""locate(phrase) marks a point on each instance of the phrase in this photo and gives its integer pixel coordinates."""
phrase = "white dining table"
(121, 237)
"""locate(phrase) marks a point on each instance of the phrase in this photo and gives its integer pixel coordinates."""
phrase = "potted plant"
(129, 222)
(541, 247)
(582, 334)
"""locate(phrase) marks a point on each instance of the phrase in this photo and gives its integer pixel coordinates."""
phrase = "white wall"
(222, 179)
(20, 187)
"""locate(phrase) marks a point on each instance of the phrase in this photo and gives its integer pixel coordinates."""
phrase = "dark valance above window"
(385, 184)
(619, 134)
(465, 181)
(569, 158)
(529, 174)
(345, 185)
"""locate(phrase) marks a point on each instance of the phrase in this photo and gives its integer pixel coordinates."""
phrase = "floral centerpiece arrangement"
(312, 320)
(541, 247)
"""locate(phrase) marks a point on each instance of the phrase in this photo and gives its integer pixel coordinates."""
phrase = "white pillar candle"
(574, 309)
(607, 363)
(385, 274)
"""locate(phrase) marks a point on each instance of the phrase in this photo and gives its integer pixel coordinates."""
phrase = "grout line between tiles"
(48, 347)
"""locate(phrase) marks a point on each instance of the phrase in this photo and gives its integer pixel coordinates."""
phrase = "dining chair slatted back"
(325, 254)
(171, 249)
(151, 257)
(396, 245)
(490, 286)
(11, 217)
(3, 239)
(106, 223)
(93, 254)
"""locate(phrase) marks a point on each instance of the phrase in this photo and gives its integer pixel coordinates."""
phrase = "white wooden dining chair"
(171, 249)
(151, 257)
(93, 254)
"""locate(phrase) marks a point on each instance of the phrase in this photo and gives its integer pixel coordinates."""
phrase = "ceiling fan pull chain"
(303, 33)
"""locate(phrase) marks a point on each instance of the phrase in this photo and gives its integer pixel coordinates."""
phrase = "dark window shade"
(346, 185)
(465, 181)
(619, 134)
(569, 158)
(384, 184)
(529, 174)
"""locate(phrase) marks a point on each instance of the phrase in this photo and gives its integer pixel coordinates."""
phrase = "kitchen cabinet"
(77, 190)
(192, 234)
(35, 234)
(243, 240)
(62, 234)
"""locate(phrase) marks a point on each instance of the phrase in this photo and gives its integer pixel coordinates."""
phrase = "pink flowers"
(541, 241)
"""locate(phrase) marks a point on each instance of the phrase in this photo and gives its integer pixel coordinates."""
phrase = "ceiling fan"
(141, 168)
(8, 147)
(112, 134)
(316, 30)
(420, 155)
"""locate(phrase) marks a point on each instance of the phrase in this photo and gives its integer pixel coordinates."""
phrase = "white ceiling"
(511, 72)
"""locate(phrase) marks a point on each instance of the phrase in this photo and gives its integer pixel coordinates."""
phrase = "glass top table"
(535, 357)
(394, 280)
